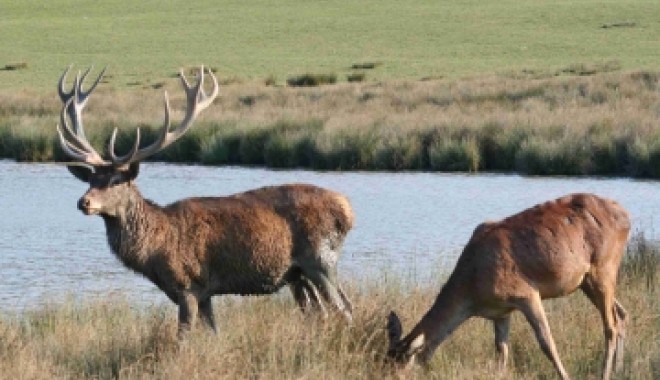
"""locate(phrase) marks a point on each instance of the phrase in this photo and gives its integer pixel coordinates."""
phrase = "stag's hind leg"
(325, 282)
(305, 293)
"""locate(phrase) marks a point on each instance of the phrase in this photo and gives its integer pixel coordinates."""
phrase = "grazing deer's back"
(553, 243)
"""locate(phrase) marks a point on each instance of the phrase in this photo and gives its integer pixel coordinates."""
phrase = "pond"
(411, 225)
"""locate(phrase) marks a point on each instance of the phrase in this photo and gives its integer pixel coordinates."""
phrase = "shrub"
(356, 77)
(455, 155)
(311, 80)
(642, 261)
(499, 145)
(569, 155)
(399, 151)
(345, 150)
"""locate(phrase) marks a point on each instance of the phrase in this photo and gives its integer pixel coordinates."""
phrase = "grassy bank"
(599, 123)
(266, 338)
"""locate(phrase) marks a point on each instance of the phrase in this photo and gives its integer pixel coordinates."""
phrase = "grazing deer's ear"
(394, 329)
(80, 172)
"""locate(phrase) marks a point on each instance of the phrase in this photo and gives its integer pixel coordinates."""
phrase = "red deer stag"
(547, 251)
(250, 243)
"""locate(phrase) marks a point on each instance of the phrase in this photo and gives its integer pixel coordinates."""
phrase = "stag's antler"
(75, 144)
(197, 101)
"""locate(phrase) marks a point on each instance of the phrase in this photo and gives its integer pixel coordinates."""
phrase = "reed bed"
(602, 124)
(266, 337)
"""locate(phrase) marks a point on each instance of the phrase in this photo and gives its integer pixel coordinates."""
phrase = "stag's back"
(251, 241)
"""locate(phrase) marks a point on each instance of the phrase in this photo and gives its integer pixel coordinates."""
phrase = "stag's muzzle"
(85, 205)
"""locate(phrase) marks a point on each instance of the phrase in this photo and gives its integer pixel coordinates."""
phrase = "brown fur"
(547, 251)
(249, 243)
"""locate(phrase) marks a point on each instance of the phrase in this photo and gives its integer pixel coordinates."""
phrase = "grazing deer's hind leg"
(602, 297)
(532, 308)
(501, 327)
(621, 321)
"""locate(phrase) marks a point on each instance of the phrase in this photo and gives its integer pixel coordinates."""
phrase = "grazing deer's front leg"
(532, 308)
(188, 308)
(501, 327)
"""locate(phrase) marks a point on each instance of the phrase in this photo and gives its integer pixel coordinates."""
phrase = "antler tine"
(75, 144)
(196, 101)
(118, 161)
(76, 149)
(64, 95)
(82, 95)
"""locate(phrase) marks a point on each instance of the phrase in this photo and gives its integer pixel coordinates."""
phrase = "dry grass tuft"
(266, 337)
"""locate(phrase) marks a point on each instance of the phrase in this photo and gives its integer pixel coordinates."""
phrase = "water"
(411, 225)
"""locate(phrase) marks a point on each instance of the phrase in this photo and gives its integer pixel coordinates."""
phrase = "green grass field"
(146, 41)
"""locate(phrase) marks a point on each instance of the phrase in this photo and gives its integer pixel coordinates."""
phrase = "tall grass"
(266, 337)
(605, 124)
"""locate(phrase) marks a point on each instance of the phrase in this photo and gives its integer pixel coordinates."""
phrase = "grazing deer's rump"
(249, 243)
(547, 251)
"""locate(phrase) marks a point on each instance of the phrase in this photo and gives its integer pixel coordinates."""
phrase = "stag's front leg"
(188, 309)
(206, 313)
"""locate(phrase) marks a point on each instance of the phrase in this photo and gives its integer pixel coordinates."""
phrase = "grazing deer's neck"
(133, 234)
(451, 308)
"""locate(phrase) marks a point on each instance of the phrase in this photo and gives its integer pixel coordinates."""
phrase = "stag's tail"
(344, 216)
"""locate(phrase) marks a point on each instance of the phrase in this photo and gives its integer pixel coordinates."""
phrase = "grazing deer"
(547, 251)
(249, 243)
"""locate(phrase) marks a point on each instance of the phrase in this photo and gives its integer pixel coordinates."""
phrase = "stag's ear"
(133, 171)
(80, 172)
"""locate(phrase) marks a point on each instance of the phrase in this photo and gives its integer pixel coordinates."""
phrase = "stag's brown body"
(249, 243)
(547, 251)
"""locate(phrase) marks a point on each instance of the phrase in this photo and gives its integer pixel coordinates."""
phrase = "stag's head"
(401, 352)
(111, 179)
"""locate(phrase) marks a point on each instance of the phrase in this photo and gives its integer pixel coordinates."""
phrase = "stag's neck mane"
(131, 234)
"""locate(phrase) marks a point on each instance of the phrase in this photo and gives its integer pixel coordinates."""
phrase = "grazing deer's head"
(111, 180)
(401, 352)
